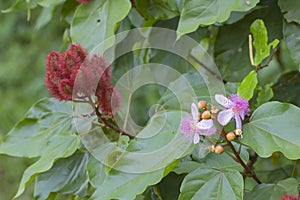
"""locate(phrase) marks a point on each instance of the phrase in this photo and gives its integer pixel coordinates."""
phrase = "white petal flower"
(196, 138)
(222, 100)
(225, 116)
(205, 124)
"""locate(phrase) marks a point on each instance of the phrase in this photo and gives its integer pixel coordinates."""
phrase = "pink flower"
(192, 128)
(289, 197)
(235, 107)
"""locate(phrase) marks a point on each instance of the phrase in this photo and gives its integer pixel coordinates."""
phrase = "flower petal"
(208, 132)
(222, 100)
(225, 116)
(196, 139)
(205, 124)
(238, 122)
(194, 111)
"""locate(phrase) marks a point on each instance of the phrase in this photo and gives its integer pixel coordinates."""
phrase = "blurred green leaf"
(21, 5)
(199, 12)
(274, 191)
(153, 10)
(248, 85)
(291, 33)
(209, 183)
(265, 94)
(67, 176)
(48, 3)
(260, 41)
(46, 131)
(96, 21)
(274, 126)
(275, 168)
(290, 10)
(287, 89)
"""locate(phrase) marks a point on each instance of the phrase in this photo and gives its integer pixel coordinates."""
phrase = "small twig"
(259, 67)
(239, 160)
(109, 125)
(286, 82)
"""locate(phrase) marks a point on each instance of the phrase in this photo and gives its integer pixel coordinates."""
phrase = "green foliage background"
(23, 51)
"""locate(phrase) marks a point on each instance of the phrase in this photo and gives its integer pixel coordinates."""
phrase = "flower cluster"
(73, 74)
(201, 123)
(192, 126)
(61, 70)
(290, 197)
(235, 107)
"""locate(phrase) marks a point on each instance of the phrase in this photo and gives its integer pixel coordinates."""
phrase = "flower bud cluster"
(290, 197)
(74, 74)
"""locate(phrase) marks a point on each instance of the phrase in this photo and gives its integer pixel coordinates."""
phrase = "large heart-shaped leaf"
(96, 21)
(209, 183)
(201, 12)
(46, 131)
(274, 126)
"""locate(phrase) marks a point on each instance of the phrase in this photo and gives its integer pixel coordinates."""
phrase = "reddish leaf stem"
(239, 160)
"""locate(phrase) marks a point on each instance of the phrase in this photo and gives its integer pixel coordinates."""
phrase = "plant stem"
(239, 160)
(109, 125)
(259, 67)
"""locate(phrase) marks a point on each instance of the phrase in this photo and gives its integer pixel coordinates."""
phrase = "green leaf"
(153, 10)
(274, 126)
(291, 33)
(48, 3)
(274, 191)
(67, 176)
(96, 21)
(232, 45)
(21, 5)
(125, 186)
(290, 10)
(265, 94)
(200, 12)
(96, 172)
(208, 183)
(186, 167)
(260, 41)
(45, 132)
(248, 85)
(148, 157)
(46, 120)
(287, 89)
(62, 147)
